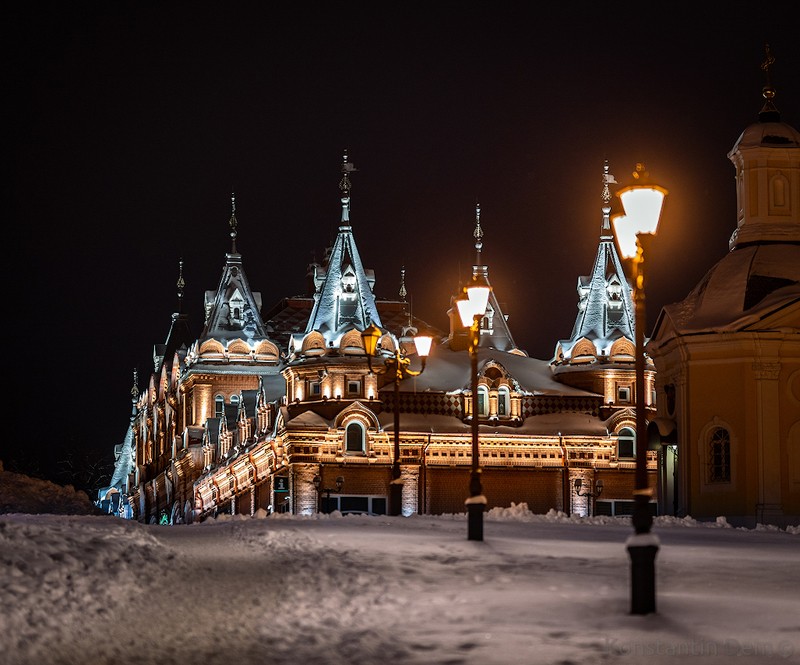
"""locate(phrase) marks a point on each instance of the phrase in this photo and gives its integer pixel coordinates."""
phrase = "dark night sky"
(132, 122)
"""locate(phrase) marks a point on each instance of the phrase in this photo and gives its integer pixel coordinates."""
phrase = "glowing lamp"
(642, 202)
(476, 301)
(423, 344)
(370, 337)
(465, 309)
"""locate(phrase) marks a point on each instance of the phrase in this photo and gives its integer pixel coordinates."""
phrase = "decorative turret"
(605, 306)
(343, 298)
(234, 330)
(767, 161)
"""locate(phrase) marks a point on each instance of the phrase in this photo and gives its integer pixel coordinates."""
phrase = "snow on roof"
(449, 371)
(546, 425)
(742, 288)
(222, 323)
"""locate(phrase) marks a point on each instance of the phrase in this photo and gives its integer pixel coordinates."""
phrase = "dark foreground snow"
(540, 589)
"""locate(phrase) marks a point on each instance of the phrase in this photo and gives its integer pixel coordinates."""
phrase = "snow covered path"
(387, 590)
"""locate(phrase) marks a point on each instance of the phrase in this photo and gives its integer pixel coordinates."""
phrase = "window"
(502, 401)
(234, 399)
(483, 401)
(354, 387)
(314, 388)
(623, 394)
(719, 456)
(219, 406)
(626, 443)
(354, 438)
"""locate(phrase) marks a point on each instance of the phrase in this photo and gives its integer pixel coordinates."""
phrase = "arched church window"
(719, 456)
(626, 444)
(219, 406)
(354, 438)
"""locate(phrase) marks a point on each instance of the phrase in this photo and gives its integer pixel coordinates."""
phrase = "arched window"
(483, 401)
(219, 406)
(503, 406)
(719, 456)
(354, 438)
(626, 444)
(234, 399)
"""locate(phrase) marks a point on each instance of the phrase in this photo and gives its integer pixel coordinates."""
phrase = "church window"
(502, 401)
(219, 406)
(354, 438)
(719, 456)
(314, 388)
(354, 388)
(626, 444)
(234, 399)
(623, 394)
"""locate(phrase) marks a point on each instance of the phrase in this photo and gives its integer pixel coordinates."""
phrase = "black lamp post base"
(475, 521)
(642, 550)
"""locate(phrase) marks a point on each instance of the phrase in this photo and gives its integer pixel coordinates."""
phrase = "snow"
(332, 589)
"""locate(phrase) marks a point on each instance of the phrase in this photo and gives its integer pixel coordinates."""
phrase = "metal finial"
(478, 232)
(135, 389)
(345, 186)
(403, 292)
(608, 179)
(769, 112)
(768, 92)
(233, 223)
(181, 284)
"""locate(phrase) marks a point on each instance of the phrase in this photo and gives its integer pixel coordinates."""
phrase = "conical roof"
(605, 305)
(343, 297)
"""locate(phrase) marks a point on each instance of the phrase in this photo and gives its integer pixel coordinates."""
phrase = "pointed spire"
(478, 234)
(608, 179)
(345, 186)
(403, 292)
(180, 284)
(605, 306)
(769, 113)
(134, 394)
(233, 222)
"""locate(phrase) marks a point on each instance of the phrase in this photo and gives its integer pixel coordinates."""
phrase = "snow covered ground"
(363, 590)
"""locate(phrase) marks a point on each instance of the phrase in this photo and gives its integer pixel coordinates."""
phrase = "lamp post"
(397, 366)
(472, 308)
(642, 202)
(327, 490)
(591, 493)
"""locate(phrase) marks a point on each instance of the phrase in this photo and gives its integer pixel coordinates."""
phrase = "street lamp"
(396, 365)
(472, 308)
(591, 493)
(642, 202)
(327, 490)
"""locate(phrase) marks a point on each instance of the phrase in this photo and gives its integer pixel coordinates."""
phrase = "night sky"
(132, 123)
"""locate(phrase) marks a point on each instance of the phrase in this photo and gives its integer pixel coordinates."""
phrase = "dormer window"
(503, 406)
(236, 308)
(483, 401)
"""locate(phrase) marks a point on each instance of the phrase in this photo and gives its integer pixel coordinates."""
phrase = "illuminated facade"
(238, 421)
(729, 353)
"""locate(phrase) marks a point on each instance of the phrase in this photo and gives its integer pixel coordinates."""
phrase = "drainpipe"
(565, 492)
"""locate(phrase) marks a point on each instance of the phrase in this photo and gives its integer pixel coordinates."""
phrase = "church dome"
(768, 135)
